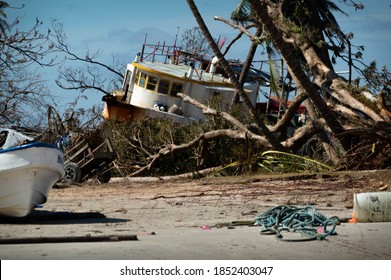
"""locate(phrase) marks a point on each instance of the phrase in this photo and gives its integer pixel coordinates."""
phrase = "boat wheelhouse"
(150, 87)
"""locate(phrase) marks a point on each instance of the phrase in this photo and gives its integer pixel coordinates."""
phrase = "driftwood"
(66, 239)
(189, 175)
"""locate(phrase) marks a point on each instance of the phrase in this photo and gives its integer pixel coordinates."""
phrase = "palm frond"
(271, 160)
(274, 76)
(241, 12)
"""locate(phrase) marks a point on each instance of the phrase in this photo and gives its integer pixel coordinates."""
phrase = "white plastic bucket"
(372, 207)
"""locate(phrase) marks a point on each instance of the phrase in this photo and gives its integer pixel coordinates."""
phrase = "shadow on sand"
(63, 217)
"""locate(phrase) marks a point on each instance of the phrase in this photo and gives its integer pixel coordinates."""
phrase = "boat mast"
(176, 37)
(143, 49)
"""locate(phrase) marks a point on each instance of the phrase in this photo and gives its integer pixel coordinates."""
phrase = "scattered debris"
(307, 221)
(206, 228)
(63, 239)
(236, 224)
(82, 160)
(371, 207)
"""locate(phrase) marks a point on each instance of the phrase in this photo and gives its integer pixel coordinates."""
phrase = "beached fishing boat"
(27, 173)
(153, 80)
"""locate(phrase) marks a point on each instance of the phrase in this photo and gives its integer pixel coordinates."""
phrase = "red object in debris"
(320, 230)
(274, 106)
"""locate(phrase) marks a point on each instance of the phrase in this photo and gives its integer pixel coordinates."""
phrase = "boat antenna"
(176, 36)
(145, 39)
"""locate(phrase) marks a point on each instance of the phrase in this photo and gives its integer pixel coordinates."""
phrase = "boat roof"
(180, 72)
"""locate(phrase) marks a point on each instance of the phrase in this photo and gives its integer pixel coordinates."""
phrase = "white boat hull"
(27, 174)
(120, 112)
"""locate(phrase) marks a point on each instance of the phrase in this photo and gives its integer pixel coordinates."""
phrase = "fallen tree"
(348, 126)
(344, 118)
(304, 36)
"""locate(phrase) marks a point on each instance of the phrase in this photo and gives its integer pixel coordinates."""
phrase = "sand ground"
(190, 219)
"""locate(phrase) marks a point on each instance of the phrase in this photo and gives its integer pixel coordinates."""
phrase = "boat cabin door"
(127, 86)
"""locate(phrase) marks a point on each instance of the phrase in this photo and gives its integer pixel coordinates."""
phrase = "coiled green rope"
(307, 221)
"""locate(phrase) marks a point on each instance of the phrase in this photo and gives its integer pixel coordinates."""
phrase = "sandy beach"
(195, 219)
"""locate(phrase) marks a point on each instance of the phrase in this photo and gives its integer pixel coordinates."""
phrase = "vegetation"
(22, 90)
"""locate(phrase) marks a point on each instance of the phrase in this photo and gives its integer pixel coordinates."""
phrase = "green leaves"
(275, 161)
(280, 162)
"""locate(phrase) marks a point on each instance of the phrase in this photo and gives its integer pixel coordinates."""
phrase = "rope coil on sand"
(307, 221)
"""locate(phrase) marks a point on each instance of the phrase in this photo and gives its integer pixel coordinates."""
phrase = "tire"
(72, 173)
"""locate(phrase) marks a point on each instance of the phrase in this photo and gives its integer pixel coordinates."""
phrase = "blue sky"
(118, 27)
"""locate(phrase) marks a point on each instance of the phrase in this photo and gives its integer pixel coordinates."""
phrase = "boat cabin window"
(140, 80)
(151, 84)
(163, 87)
(176, 87)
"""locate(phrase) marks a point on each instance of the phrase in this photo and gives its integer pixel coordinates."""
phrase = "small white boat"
(27, 174)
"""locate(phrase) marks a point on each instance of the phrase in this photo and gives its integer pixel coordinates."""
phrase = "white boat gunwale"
(30, 145)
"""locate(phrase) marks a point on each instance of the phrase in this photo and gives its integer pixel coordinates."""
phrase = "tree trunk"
(300, 78)
(247, 65)
(334, 85)
(273, 141)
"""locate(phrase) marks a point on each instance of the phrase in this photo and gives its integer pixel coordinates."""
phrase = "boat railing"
(164, 51)
(176, 55)
(199, 73)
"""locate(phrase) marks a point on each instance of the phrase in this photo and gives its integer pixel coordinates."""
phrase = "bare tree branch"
(243, 29)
